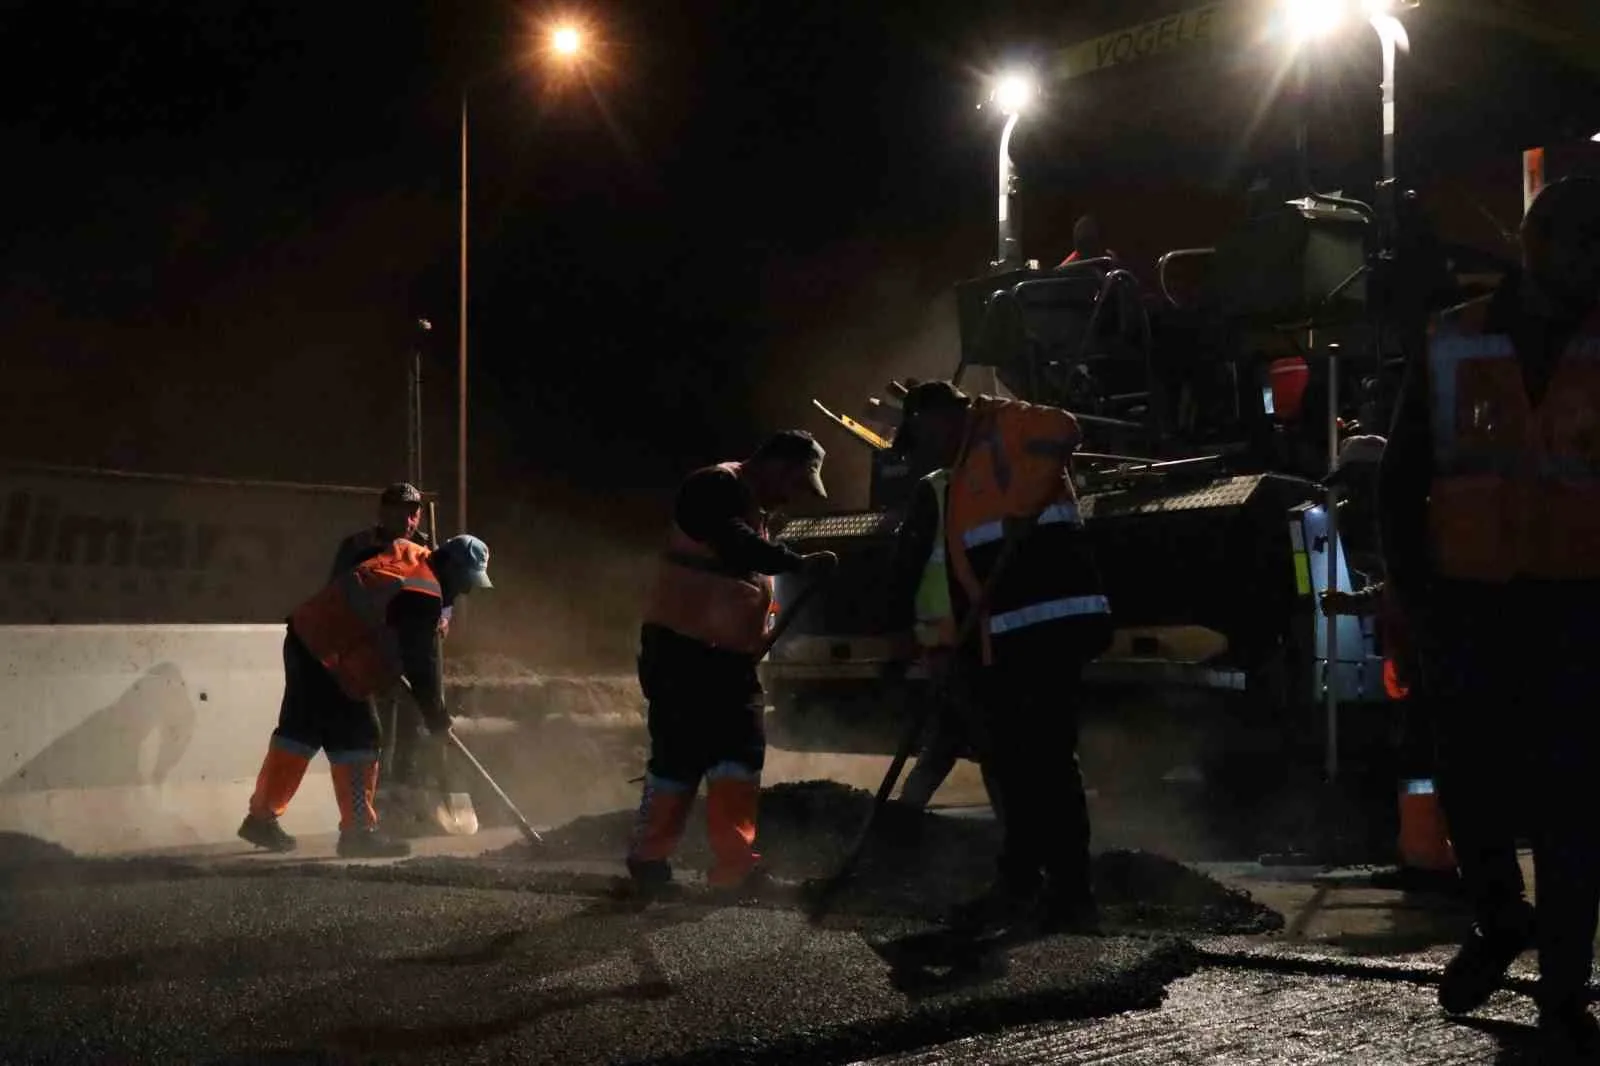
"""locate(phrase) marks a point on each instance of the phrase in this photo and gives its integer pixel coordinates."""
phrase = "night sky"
(226, 216)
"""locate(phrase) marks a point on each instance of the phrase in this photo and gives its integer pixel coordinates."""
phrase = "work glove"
(1337, 602)
(818, 564)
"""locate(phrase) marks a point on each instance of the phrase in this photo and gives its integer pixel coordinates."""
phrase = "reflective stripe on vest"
(935, 624)
(1013, 465)
(990, 532)
(1049, 611)
(698, 596)
(1516, 489)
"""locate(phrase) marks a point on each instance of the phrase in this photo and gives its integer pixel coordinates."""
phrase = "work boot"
(1001, 906)
(1481, 963)
(1068, 913)
(1568, 1032)
(650, 875)
(265, 832)
(370, 844)
(756, 884)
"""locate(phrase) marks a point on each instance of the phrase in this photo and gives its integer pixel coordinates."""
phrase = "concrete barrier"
(121, 738)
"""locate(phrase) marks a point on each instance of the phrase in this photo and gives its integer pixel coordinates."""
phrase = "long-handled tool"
(822, 893)
(785, 620)
(452, 811)
(528, 832)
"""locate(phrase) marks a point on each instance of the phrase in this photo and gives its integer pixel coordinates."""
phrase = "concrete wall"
(122, 738)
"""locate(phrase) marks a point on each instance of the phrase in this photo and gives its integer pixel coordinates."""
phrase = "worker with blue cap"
(367, 631)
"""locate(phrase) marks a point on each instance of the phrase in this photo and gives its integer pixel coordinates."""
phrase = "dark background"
(225, 218)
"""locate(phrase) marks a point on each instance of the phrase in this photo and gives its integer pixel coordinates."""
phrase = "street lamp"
(1011, 95)
(566, 43)
(1307, 21)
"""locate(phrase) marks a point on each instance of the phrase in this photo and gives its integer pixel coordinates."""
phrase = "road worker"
(704, 629)
(1490, 502)
(399, 518)
(354, 640)
(1355, 474)
(920, 591)
(1087, 243)
(1017, 553)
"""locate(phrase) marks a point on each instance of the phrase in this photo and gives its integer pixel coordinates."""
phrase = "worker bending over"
(1016, 552)
(704, 630)
(355, 640)
(1490, 500)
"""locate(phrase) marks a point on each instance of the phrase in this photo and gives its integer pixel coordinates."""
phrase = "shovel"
(452, 811)
(822, 893)
(783, 623)
(528, 831)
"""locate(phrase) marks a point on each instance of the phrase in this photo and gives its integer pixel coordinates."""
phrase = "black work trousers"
(706, 708)
(316, 714)
(1028, 699)
(401, 721)
(1514, 671)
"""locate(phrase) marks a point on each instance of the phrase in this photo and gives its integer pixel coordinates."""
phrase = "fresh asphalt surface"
(230, 960)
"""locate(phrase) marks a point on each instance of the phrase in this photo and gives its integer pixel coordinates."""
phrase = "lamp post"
(1011, 96)
(566, 44)
(1309, 20)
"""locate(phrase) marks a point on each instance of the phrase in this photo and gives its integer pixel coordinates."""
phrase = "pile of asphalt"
(28, 863)
(918, 864)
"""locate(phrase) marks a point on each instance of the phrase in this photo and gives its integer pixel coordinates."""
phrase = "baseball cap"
(797, 446)
(466, 557)
(400, 492)
(1359, 451)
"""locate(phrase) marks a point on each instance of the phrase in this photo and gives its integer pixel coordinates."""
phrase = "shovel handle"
(528, 831)
(786, 619)
(915, 725)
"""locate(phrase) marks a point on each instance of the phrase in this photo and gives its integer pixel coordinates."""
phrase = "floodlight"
(1311, 19)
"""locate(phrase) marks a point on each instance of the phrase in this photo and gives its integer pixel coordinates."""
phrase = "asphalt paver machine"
(1213, 392)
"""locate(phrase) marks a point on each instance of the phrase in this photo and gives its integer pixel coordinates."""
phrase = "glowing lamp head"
(1013, 93)
(566, 41)
(1308, 20)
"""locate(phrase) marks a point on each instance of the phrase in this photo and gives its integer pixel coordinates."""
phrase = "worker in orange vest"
(399, 518)
(704, 630)
(354, 640)
(1490, 499)
(1016, 552)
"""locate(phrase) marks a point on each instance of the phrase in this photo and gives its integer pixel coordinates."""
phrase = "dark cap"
(400, 493)
(929, 396)
(796, 446)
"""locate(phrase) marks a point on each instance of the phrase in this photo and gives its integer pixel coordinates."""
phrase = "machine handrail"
(1176, 253)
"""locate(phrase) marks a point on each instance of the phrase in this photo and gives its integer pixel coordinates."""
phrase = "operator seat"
(1075, 338)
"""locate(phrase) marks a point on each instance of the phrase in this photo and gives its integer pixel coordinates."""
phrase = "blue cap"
(467, 558)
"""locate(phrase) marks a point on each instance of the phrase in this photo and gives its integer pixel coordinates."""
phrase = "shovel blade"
(455, 814)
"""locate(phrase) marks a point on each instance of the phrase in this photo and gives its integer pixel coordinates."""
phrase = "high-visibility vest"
(1516, 485)
(698, 596)
(346, 625)
(1013, 464)
(936, 623)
